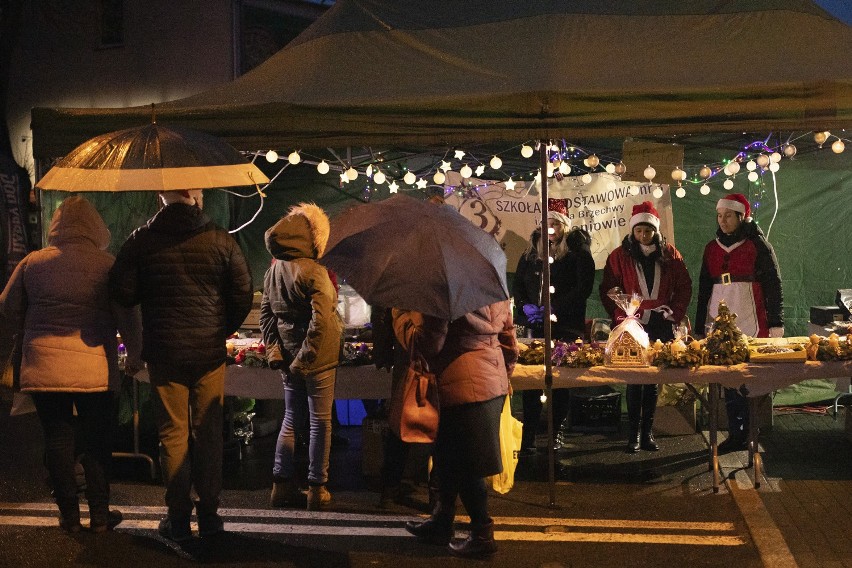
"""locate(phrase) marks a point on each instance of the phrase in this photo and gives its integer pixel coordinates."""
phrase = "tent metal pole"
(544, 147)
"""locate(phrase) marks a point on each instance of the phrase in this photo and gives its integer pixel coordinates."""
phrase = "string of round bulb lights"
(758, 158)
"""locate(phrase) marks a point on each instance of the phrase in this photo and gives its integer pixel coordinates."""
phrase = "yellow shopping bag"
(511, 430)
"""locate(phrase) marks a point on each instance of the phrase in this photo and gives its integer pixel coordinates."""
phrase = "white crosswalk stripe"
(322, 523)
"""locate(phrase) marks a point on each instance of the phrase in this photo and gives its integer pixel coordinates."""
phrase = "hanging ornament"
(564, 168)
(322, 167)
(633, 190)
(763, 161)
(658, 192)
(752, 176)
(680, 192)
(379, 177)
(393, 187)
(587, 178)
(678, 174)
(351, 174)
(421, 183)
(775, 157)
(649, 173)
(705, 172)
(821, 137)
(480, 169)
(751, 165)
(510, 184)
(610, 168)
(789, 150)
(705, 189)
(272, 156)
(734, 168)
(409, 178)
(729, 184)
(465, 171)
(550, 169)
(496, 163)
(439, 177)
(294, 157)
(526, 151)
(620, 168)
(838, 146)
(593, 161)
(774, 167)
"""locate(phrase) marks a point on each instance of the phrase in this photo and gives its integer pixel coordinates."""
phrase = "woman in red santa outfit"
(647, 265)
(739, 267)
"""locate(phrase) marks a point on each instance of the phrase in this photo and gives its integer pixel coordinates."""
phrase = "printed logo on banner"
(602, 207)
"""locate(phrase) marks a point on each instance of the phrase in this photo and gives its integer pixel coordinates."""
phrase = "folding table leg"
(713, 398)
(755, 461)
(136, 454)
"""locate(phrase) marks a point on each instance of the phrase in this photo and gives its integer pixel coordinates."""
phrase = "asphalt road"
(611, 509)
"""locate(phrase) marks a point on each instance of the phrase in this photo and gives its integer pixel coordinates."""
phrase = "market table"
(368, 382)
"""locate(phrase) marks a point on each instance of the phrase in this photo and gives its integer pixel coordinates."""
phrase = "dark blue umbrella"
(415, 255)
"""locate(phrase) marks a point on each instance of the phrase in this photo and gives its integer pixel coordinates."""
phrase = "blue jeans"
(303, 395)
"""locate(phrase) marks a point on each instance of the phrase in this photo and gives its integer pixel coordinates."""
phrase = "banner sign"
(14, 191)
(602, 207)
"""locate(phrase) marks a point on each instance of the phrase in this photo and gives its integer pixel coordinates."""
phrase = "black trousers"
(94, 416)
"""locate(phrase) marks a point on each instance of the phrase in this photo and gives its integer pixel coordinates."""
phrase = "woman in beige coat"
(57, 298)
(472, 357)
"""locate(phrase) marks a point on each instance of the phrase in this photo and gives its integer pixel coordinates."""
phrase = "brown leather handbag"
(415, 414)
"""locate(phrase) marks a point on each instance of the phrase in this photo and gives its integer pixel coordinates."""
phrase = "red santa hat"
(645, 213)
(558, 209)
(735, 202)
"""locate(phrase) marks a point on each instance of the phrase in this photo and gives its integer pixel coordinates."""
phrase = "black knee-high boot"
(649, 407)
(634, 415)
(437, 529)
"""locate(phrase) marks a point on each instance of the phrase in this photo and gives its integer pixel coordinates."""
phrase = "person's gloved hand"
(535, 314)
(776, 332)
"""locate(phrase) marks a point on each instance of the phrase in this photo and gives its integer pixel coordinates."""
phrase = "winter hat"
(645, 213)
(188, 196)
(736, 202)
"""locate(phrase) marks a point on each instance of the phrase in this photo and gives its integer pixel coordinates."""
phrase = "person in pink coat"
(647, 265)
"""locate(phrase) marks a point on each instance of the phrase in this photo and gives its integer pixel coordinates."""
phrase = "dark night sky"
(840, 9)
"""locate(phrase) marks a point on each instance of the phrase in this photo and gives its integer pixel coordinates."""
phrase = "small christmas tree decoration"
(726, 344)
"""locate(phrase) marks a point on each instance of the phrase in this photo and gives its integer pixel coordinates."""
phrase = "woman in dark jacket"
(298, 312)
(647, 265)
(473, 357)
(572, 276)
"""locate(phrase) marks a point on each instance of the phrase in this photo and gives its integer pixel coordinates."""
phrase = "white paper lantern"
(351, 174)
(752, 176)
(734, 167)
(466, 172)
(526, 151)
(774, 167)
(751, 165)
(705, 189)
(587, 178)
(409, 178)
(658, 192)
(272, 156)
(379, 177)
(564, 168)
(439, 177)
(649, 173)
(729, 184)
(496, 163)
(610, 168)
(294, 158)
(680, 192)
(775, 157)
(322, 167)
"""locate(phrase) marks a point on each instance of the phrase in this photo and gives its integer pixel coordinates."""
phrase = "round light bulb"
(587, 178)
(564, 168)
(752, 176)
(620, 168)
(294, 158)
(439, 177)
(705, 189)
(610, 168)
(322, 167)
(789, 150)
(774, 167)
(586, 163)
(729, 184)
(658, 192)
(727, 171)
(409, 178)
(649, 173)
(633, 190)
(821, 137)
(526, 151)
(751, 165)
(763, 161)
(705, 172)
(496, 163)
(594, 161)
(775, 157)
(466, 172)
(838, 146)
(734, 167)
(379, 177)
(680, 192)
(550, 169)
(678, 174)
(272, 156)
(351, 174)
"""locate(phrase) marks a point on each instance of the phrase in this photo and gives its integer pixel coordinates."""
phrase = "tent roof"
(371, 72)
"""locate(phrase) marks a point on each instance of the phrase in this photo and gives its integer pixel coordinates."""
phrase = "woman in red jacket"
(647, 265)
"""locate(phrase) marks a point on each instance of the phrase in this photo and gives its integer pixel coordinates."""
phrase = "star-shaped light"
(445, 165)
(459, 154)
(421, 183)
(480, 169)
(393, 187)
(510, 184)
(343, 178)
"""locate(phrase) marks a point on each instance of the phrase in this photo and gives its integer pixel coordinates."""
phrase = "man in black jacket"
(195, 290)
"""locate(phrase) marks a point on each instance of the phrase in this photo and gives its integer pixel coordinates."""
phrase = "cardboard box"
(822, 315)
(373, 434)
